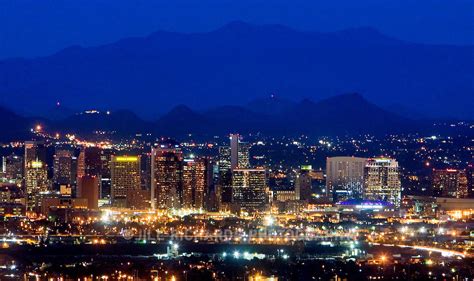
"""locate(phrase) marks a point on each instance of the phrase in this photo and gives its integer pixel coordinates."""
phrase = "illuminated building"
(12, 168)
(470, 180)
(88, 188)
(234, 156)
(224, 182)
(285, 195)
(36, 181)
(195, 183)
(249, 189)
(345, 177)
(382, 180)
(34, 151)
(89, 162)
(62, 166)
(457, 208)
(166, 176)
(303, 183)
(377, 207)
(239, 151)
(125, 171)
(105, 173)
(450, 183)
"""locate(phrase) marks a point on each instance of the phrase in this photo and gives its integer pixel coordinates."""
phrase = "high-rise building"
(303, 183)
(12, 168)
(195, 182)
(34, 151)
(36, 181)
(36, 173)
(125, 171)
(88, 188)
(470, 180)
(62, 166)
(105, 174)
(345, 177)
(382, 180)
(450, 183)
(250, 189)
(239, 153)
(234, 156)
(224, 182)
(89, 162)
(166, 167)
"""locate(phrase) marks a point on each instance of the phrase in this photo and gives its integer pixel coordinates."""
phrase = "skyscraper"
(36, 173)
(195, 182)
(345, 177)
(303, 184)
(249, 189)
(166, 168)
(450, 183)
(224, 183)
(89, 162)
(88, 188)
(470, 180)
(62, 166)
(125, 171)
(36, 181)
(34, 151)
(239, 153)
(382, 180)
(105, 173)
(12, 168)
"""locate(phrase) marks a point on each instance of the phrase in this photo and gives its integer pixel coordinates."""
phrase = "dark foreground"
(221, 262)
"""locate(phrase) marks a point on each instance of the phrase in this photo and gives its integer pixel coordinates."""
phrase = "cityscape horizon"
(236, 140)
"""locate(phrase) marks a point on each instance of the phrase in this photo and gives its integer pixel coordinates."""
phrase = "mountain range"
(348, 114)
(238, 62)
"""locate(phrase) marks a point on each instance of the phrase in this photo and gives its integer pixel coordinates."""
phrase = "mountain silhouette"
(238, 62)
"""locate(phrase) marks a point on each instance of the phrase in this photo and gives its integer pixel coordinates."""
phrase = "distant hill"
(348, 114)
(238, 62)
(13, 126)
(344, 114)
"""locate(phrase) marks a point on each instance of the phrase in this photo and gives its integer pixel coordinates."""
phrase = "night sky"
(35, 28)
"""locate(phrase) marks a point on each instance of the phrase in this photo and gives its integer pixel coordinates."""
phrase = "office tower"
(243, 161)
(89, 161)
(195, 182)
(234, 150)
(36, 173)
(125, 171)
(239, 151)
(74, 176)
(470, 180)
(88, 188)
(81, 164)
(36, 181)
(62, 166)
(34, 151)
(105, 174)
(382, 180)
(146, 171)
(303, 183)
(450, 183)
(249, 189)
(345, 177)
(12, 168)
(166, 176)
(224, 182)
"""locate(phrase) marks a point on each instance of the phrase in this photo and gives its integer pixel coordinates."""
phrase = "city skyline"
(236, 140)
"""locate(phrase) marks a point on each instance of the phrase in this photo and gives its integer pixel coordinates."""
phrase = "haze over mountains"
(349, 114)
(238, 62)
